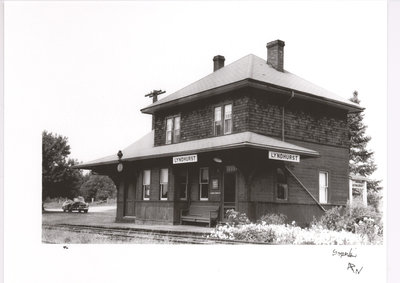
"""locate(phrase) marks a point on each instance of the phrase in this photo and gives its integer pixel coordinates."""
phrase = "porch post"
(350, 191)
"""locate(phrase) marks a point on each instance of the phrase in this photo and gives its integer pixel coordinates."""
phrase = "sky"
(81, 70)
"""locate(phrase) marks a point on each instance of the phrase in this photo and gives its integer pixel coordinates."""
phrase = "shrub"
(255, 233)
(272, 218)
(332, 219)
(287, 234)
(350, 225)
(345, 218)
(236, 218)
(375, 199)
(245, 232)
(367, 228)
(356, 218)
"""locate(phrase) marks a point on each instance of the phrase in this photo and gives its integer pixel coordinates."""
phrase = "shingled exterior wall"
(307, 124)
(197, 118)
(304, 121)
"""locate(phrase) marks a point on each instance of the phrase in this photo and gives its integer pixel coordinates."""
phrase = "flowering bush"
(332, 220)
(247, 232)
(356, 218)
(272, 218)
(287, 234)
(366, 231)
(236, 218)
(369, 230)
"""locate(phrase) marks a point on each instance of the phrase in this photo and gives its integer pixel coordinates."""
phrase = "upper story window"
(146, 185)
(223, 119)
(173, 132)
(228, 119)
(323, 187)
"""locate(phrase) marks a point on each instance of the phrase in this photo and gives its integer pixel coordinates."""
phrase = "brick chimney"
(275, 54)
(218, 62)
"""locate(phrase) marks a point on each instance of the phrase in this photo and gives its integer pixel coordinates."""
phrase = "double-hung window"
(146, 185)
(204, 183)
(323, 187)
(173, 130)
(164, 184)
(223, 119)
(218, 120)
(228, 119)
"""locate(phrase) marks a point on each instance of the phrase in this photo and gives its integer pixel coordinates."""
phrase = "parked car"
(76, 204)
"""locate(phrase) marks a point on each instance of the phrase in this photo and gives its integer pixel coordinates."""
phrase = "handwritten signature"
(342, 254)
(348, 254)
(353, 268)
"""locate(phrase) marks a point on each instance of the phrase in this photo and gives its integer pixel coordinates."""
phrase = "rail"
(158, 236)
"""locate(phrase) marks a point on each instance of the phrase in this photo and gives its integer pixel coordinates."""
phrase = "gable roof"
(256, 69)
(144, 148)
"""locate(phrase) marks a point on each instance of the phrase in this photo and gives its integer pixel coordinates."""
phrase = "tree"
(98, 187)
(59, 179)
(361, 159)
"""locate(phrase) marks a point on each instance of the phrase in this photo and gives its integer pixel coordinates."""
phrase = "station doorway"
(229, 189)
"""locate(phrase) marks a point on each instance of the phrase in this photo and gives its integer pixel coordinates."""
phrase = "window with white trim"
(204, 183)
(223, 119)
(218, 120)
(323, 187)
(146, 185)
(164, 184)
(173, 130)
(177, 129)
(281, 185)
(228, 119)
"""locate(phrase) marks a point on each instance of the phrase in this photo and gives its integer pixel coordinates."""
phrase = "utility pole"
(155, 94)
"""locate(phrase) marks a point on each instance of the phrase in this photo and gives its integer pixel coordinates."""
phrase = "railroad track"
(170, 237)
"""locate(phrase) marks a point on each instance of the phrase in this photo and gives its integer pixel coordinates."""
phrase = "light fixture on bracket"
(217, 160)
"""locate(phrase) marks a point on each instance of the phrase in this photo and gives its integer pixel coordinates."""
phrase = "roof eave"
(91, 166)
(151, 109)
(218, 148)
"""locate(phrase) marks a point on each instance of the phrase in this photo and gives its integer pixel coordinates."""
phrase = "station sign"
(184, 159)
(283, 156)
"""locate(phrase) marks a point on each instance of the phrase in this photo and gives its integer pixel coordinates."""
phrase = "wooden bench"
(200, 214)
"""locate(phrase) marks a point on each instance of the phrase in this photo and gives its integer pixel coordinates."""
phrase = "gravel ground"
(107, 218)
(53, 236)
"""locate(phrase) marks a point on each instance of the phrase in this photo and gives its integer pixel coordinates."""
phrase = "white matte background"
(81, 69)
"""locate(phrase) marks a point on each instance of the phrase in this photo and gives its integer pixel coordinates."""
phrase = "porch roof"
(144, 148)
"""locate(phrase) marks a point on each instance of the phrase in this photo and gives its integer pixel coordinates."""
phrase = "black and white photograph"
(211, 140)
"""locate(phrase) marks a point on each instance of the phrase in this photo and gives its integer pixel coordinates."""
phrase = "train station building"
(250, 136)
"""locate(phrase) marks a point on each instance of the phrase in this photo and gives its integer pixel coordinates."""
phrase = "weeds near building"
(350, 225)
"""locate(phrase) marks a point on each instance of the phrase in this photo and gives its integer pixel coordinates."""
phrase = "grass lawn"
(54, 203)
(76, 218)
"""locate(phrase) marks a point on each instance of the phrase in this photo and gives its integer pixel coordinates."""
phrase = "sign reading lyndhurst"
(184, 159)
(284, 156)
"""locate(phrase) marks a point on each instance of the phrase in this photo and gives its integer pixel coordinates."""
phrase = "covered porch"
(235, 171)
